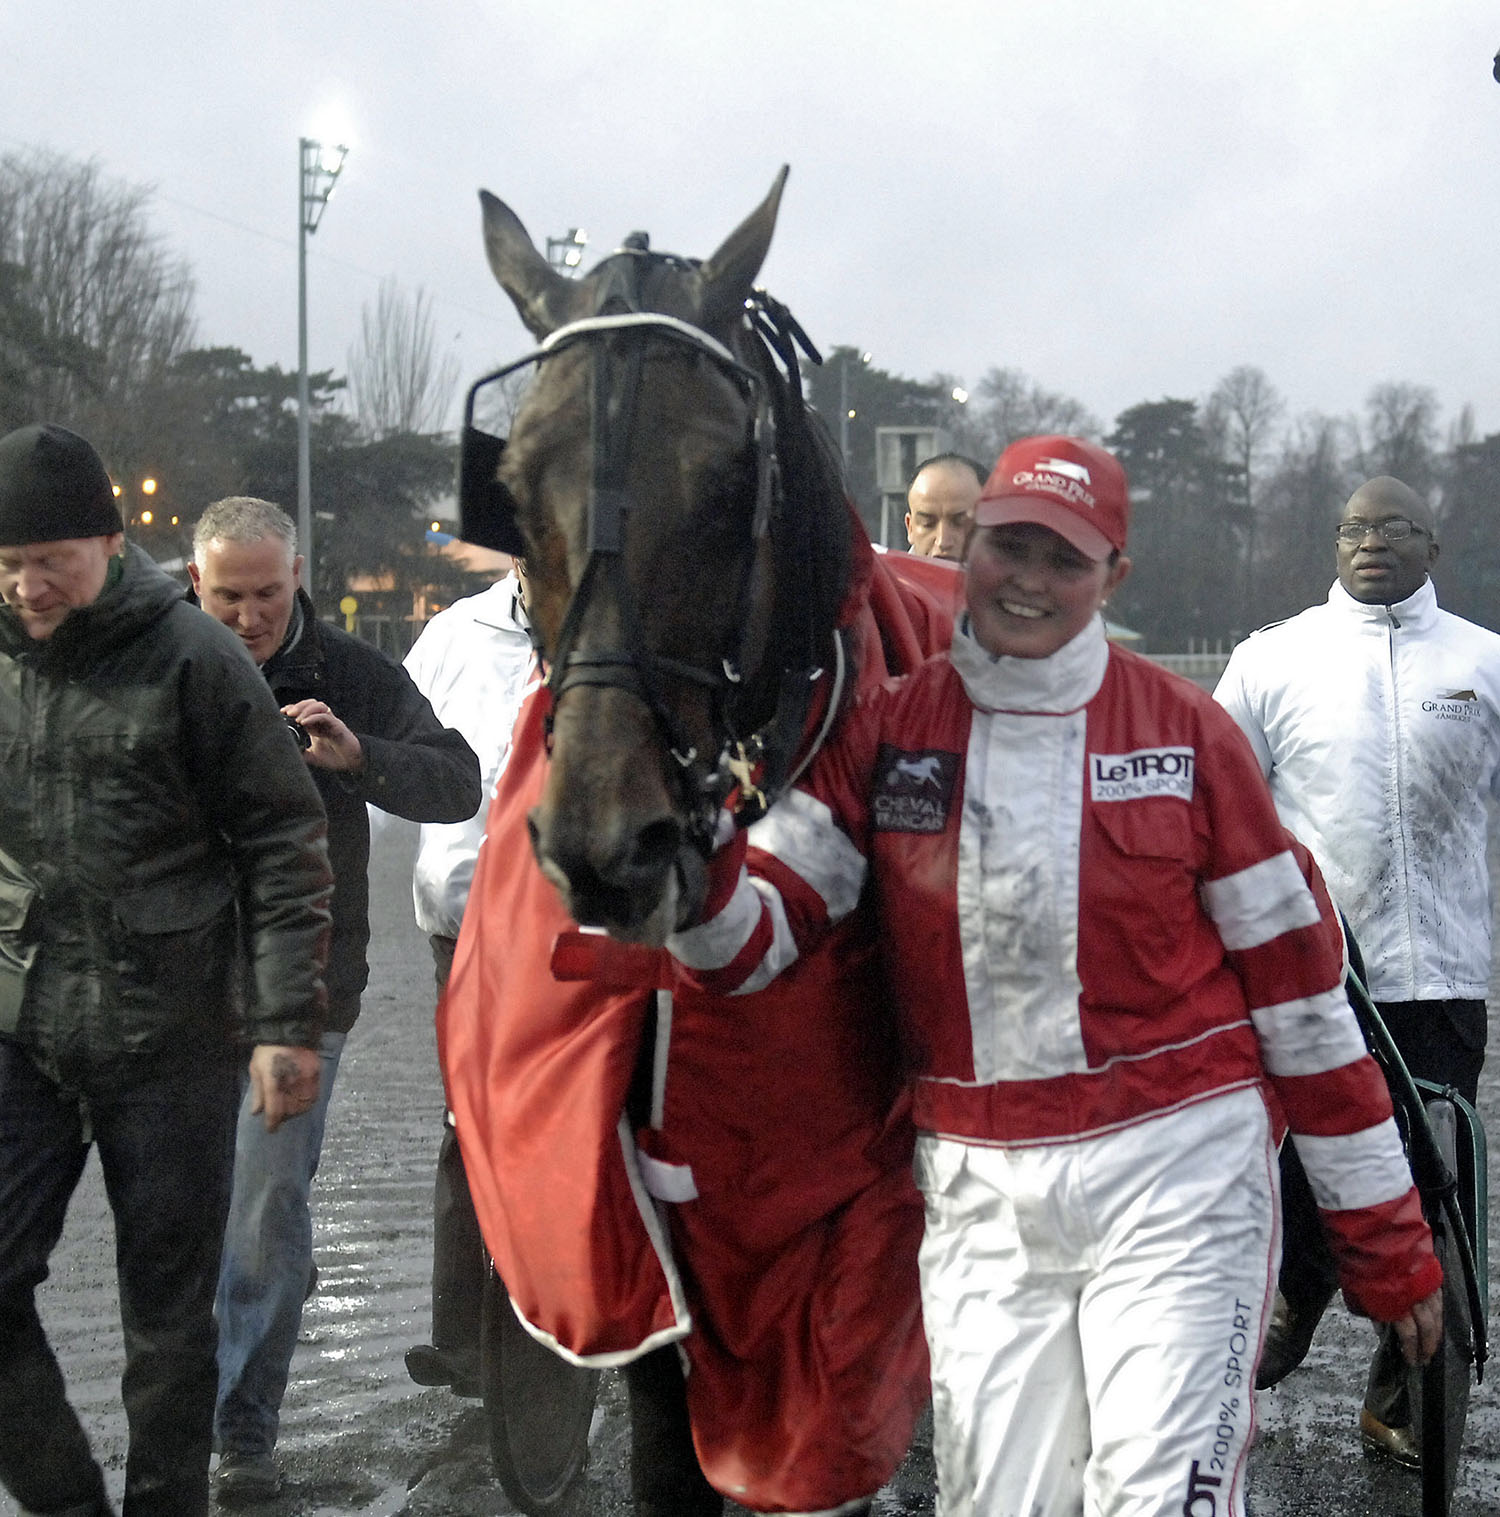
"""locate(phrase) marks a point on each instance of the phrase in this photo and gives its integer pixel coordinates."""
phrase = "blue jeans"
(267, 1265)
(163, 1135)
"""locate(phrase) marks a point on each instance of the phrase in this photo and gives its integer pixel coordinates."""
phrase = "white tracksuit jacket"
(1379, 730)
(474, 664)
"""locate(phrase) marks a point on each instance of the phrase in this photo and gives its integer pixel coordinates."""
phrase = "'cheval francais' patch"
(913, 791)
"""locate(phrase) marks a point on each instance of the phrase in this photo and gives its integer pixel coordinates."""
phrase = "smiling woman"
(1106, 953)
(1039, 566)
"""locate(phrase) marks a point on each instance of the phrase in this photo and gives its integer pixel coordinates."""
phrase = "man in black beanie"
(157, 827)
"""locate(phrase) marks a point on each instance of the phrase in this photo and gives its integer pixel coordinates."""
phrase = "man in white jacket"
(474, 664)
(1376, 718)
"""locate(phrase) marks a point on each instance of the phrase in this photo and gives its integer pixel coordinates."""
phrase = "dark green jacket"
(156, 821)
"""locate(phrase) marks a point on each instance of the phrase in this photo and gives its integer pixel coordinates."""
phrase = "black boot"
(665, 1478)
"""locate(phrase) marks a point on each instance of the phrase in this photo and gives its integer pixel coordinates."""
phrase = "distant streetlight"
(845, 414)
(146, 489)
(565, 254)
(318, 169)
(960, 394)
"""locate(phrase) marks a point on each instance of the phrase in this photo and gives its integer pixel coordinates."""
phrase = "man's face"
(940, 510)
(1378, 572)
(43, 582)
(251, 588)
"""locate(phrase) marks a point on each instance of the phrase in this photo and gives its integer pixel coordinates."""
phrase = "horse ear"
(542, 296)
(729, 275)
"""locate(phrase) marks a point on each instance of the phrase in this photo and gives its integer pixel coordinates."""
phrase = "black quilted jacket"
(157, 826)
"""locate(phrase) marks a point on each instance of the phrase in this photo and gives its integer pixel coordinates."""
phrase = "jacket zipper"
(1393, 626)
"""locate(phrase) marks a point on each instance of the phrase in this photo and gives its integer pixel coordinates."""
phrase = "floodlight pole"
(864, 359)
(565, 254)
(844, 408)
(316, 177)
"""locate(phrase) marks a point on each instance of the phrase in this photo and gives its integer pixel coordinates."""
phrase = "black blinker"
(486, 509)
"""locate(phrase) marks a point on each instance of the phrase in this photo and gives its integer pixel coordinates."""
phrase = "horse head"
(643, 475)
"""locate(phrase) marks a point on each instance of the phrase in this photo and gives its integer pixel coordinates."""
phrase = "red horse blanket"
(765, 1218)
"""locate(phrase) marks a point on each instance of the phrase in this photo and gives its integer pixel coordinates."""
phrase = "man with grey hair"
(157, 828)
(369, 735)
(1376, 718)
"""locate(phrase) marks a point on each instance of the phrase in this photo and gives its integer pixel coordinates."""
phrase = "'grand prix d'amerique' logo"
(1453, 706)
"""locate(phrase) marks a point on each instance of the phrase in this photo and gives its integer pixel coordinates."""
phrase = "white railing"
(1202, 668)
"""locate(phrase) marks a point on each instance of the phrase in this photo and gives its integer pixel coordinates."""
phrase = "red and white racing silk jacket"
(1090, 915)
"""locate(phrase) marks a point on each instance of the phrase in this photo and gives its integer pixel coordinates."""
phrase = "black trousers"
(165, 1140)
(665, 1479)
(459, 1260)
(1441, 1041)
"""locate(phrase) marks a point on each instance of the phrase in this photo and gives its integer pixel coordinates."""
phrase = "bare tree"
(398, 380)
(97, 308)
(1463, 430)
(1303, 494)
(1402, 422)
(1239, 417)
(1013, 405)
(1241, 413)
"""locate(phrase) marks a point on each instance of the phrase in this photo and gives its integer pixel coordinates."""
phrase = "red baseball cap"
(1072, 486)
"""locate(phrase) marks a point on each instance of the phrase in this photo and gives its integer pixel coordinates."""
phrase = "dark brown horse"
(643, 1162)
(686, 543)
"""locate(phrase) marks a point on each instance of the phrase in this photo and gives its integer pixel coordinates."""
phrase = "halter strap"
(667, 325)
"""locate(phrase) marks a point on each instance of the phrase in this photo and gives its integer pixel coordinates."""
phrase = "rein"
(755, 764)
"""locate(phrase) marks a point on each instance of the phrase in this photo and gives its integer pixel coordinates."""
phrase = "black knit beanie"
(53, 485)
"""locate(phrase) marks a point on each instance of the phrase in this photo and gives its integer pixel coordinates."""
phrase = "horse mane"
(812, 546)
(814, 550)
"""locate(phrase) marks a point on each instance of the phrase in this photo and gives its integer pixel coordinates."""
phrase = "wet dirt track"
(359, 1438)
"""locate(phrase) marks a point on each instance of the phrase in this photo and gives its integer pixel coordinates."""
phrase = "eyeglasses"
(1396, 530)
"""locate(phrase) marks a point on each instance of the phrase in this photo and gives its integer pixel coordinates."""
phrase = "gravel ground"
(359, 1438)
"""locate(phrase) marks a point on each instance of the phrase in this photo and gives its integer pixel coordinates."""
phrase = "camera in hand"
(299, 732)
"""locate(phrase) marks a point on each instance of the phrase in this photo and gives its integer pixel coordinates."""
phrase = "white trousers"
(1095, 1310)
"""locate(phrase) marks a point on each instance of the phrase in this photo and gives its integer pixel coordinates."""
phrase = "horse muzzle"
(636, 883)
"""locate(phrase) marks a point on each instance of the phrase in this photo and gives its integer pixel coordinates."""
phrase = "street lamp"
(844, 412)
(318, 169)
(565, 254)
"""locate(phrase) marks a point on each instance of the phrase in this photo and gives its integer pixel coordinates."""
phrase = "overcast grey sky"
(1123, 199)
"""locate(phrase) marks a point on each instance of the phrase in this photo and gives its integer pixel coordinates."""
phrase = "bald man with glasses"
(1376, 718)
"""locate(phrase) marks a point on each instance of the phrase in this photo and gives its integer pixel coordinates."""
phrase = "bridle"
(620, 335)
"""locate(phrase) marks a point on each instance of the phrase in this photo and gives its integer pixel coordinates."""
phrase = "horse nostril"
(656, 847)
